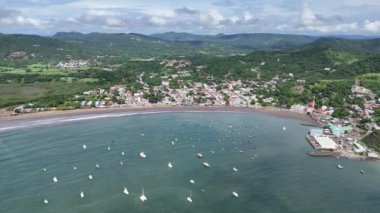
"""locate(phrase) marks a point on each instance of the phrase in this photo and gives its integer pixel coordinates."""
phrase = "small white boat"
(75, 168)
(122, 153)
(121, 163)
(55, 179)
(44, 169)
(46, 201)
(142, 154)
(192, 181)
(90, 177)
(199, 155)
(205, 164)
(235, 194)
(189, 198)
(170, 165)
(284, 128)
(125, 191)
(84, 146)
(97, 166)
(142, 134)
(235, 169)
(109, 148)
(362, 172)
(173, 143)
(339, 166)
(143, 198)
(82, 194)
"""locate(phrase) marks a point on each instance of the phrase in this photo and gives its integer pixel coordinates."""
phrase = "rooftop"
(326, 143)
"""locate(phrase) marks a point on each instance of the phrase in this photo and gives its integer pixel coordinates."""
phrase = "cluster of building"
(341, 136)
(73, 64)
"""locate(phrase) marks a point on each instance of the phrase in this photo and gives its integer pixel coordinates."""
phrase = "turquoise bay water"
(275, 173)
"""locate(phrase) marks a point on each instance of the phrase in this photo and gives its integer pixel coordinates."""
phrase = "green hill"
(243, 42)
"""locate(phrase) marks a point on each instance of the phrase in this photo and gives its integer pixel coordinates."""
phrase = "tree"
(226, 98)
(340, 113)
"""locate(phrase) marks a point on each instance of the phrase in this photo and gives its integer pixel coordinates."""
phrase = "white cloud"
(234, 19)
(103, 13)
(159, 21)
(212, 18)
(309, 20)
(372, 27)
(23, 21)
(308, 17)
(163, 13)
(247, 16)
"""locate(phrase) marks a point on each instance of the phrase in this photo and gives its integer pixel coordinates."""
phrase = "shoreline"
(270, 111)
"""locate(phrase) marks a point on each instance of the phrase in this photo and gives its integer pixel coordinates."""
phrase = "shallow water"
(275, 173)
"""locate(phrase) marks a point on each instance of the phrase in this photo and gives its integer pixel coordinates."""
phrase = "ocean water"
(275, 174)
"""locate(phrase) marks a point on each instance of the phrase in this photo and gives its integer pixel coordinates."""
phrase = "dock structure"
(323, 146)
(315, 153)
(322, 143)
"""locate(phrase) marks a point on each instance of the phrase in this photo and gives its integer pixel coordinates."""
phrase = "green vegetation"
(376, 116)
(371, 81)
(327, 66)
(373, 140)
(49, 93)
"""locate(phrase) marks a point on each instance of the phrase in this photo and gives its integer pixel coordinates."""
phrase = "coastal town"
(335, 136)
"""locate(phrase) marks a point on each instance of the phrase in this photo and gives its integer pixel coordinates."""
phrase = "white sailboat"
(235, 194)
(109, 148)
(205, 164)
(44, 169)
(75, 168)
(284, 128)
(339, 166)
(82, 194)
(189, 198)
(55, 179)
(235, 169)
(90, 177)
(192, 181)
(84, 146)
(142, 154)
(46, 201)
(122, 153)
(143, 198)
(97, 166)
(125, 191)
(170, 165)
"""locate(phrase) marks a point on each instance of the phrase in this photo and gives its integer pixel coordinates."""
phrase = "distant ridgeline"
(249, 53)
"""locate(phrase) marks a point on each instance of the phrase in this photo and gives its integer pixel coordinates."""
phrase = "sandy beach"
(51, 115)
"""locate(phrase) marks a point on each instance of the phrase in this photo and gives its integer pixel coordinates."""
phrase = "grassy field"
(12, 94)
(40, 69)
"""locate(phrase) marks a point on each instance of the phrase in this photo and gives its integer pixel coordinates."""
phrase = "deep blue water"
(275, 173)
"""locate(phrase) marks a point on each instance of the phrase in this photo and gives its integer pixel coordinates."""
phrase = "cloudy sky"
(196, 16)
